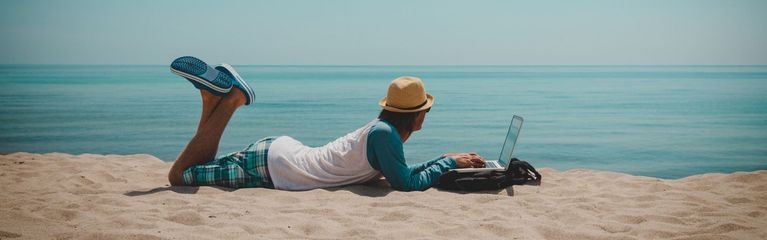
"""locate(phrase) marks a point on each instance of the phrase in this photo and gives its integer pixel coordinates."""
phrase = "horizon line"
(412, 65)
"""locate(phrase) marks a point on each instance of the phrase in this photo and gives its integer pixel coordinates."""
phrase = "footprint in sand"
(310, 229)
(736, 200)
(628, 219)
(61, 214)
(755, 214)
(187, 218)
(4, 234)
(396, 217)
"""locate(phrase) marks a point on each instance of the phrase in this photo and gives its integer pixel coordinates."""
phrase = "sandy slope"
(127, 197)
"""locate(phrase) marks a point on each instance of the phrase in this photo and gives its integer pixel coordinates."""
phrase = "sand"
(61, 196)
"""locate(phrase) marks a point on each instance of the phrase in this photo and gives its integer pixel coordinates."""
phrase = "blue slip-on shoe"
(201, 75)
(238, 82)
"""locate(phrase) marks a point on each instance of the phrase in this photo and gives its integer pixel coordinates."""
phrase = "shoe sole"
(198, 72)
(241, 82)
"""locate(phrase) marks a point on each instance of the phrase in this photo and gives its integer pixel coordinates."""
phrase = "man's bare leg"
(209, 103)
(204, 145)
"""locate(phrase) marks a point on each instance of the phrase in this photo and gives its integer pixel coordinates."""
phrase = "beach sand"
(61, 196)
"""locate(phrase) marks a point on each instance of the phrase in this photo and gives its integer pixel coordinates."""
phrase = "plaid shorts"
(246, 168)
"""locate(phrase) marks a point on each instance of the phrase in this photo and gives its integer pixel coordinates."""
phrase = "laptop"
(507, 151)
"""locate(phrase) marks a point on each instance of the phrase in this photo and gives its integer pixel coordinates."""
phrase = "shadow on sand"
(509, 190)
(176, 189)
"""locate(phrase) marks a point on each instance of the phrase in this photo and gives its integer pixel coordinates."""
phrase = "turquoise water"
(662, 121)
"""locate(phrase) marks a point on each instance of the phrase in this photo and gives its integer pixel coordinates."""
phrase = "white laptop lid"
(507, 152)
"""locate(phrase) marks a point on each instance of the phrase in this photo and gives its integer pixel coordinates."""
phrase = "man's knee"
(175, 178)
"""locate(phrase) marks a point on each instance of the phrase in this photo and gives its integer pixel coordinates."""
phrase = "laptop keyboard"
(491, 165)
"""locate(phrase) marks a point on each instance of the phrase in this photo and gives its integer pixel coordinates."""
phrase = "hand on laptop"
(467, 160)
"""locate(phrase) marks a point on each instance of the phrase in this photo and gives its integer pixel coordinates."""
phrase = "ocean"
(658, 121)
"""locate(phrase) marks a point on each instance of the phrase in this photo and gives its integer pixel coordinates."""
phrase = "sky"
(392, 32)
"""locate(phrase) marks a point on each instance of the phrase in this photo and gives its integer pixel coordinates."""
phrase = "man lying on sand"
(284, 163)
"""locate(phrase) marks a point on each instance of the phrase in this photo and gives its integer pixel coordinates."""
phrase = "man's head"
(405, 105)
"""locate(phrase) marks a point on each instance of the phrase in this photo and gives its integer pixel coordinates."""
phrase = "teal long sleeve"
(385, 153)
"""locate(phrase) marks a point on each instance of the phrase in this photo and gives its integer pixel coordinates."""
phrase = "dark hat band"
(410, 108)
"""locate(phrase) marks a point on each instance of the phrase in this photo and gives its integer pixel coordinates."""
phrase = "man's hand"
(467, 160)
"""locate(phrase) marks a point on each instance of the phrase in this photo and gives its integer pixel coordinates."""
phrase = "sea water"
(660, 121)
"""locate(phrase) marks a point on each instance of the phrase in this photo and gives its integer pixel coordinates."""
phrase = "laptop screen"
(511, 140)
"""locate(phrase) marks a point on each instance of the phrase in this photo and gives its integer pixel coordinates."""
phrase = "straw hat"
(406, 94)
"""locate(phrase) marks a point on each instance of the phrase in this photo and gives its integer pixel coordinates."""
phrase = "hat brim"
(429, 103)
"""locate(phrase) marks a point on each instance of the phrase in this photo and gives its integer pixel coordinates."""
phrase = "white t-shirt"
(295, 166)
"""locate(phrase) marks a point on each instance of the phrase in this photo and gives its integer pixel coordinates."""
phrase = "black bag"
(519, 172)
